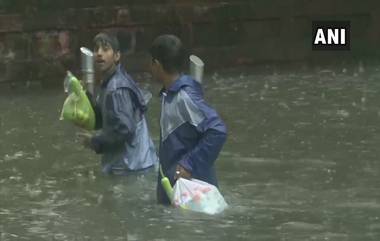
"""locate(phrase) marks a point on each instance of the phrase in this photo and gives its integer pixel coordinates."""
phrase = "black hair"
(107, 38)
(169, 51)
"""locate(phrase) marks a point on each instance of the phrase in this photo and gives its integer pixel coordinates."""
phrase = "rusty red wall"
(40, 39)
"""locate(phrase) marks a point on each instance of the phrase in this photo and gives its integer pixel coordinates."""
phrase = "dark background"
(39, 39)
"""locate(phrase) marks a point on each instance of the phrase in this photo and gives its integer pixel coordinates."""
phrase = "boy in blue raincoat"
(192, 133)
(123, 138)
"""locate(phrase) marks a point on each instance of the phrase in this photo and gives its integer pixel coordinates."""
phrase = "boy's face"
(105, 57)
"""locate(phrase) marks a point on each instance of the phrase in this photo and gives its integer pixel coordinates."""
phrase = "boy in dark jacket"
(192, 133)
(123, 138)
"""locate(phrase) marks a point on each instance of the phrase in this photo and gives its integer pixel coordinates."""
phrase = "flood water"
(301, 163)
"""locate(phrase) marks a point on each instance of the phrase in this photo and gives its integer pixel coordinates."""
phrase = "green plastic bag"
(77, 107)
(166, 185)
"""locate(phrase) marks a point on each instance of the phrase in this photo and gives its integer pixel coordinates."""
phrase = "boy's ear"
(117, 56)
(156, 62)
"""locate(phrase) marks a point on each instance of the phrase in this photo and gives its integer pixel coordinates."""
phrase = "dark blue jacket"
(123, 138)
(192, 133)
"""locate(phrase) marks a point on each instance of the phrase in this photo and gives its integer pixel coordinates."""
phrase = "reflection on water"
(301, 163)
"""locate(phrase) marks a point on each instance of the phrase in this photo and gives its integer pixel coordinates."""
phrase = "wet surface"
(301, 163)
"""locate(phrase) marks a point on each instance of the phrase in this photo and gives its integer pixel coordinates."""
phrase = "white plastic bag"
(198, 196)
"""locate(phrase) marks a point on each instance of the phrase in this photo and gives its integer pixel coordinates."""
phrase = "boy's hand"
(181, 172)
(85, 138)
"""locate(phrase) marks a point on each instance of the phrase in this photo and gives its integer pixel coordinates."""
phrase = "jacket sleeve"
(120, 122)
(212, 132)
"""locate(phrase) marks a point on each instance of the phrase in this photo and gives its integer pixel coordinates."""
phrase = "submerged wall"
(39, 39)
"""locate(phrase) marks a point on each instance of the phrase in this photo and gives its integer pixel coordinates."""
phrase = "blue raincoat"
(123, 138)
(192, 133)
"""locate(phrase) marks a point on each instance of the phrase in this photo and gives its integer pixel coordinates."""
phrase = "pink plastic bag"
(198, 196)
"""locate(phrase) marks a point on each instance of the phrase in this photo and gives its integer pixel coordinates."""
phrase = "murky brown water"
(301, 163)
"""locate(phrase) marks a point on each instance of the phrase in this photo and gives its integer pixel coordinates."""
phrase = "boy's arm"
(121, 124)
(204, 154)
(212, 130)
